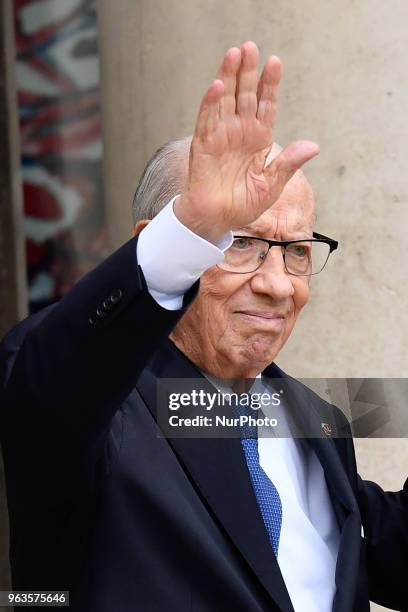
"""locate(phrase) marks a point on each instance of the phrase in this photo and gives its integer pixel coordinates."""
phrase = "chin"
(259, 353)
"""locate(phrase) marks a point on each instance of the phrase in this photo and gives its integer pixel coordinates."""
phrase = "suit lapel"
(228, 491)
(308, 411)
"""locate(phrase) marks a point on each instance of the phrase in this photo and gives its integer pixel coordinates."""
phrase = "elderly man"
(210, 286)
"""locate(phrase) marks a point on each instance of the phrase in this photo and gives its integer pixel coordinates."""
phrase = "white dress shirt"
(309, 538)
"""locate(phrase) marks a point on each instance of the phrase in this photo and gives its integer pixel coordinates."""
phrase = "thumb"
(281, 169)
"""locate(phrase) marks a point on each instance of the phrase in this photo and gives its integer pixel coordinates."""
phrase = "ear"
(139, 226)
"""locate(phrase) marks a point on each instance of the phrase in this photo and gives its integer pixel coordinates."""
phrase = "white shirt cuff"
(173, 257)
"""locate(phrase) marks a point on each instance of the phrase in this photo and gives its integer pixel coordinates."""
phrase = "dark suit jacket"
(126, 520)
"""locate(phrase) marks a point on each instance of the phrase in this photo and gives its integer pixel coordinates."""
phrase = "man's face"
(239, 322)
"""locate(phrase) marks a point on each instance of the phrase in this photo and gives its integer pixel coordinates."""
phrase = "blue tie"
(266, 493)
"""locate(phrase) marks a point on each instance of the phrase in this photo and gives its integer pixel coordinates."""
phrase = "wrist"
(209, 231)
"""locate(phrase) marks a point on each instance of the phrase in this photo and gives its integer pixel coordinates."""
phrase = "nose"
(271, 278)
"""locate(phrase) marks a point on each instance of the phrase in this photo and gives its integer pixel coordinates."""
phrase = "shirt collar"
(220, 385)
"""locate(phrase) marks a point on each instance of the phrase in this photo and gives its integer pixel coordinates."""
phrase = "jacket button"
(91, 321)
(107, 305)
(116, 296)
(100, 313)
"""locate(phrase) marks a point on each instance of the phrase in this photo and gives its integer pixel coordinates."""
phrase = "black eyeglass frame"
(333, 244)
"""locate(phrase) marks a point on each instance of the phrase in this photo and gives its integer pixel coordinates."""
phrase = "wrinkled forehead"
(292, 213)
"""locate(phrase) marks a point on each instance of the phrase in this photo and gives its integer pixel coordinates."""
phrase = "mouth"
(270, 320)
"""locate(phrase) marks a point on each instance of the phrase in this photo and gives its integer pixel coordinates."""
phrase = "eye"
(298, 250)
(242, 243)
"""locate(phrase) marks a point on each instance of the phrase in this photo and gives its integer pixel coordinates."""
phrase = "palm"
(230, 165)
(227, 180)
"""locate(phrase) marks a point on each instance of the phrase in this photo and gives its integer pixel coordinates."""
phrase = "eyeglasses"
(301, 257)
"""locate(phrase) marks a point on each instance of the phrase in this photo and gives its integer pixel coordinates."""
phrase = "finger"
(228, 74)
(247, 80)
(290, 159)
(209, 112)
(267, 93)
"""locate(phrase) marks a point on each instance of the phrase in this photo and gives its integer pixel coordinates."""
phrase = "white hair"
(162, 179)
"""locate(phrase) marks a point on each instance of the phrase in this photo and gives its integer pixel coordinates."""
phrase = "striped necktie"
(266, 493)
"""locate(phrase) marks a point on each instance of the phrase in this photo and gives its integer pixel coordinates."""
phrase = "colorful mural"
(57, 73)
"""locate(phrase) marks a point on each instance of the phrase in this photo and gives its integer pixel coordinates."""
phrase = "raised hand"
(228, 184)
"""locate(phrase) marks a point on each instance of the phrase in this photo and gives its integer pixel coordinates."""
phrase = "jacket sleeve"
(384, 516)
(64, 373)
(385, 520)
